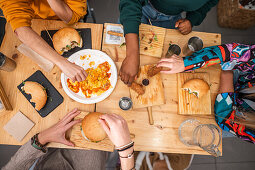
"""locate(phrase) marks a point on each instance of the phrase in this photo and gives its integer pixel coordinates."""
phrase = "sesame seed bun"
(64, 37)
(197, 87)
(91, 128)
(37, 92)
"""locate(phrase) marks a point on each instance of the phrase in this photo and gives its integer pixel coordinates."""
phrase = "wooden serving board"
(154, 48)
(154, 92)
(189, 104)
(79, 141)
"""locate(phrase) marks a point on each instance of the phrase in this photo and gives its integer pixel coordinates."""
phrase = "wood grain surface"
(25, 68)
(189, 104)
(154, 92)
(79, 141)
(160, 137)
(163, 135)
(154, 48)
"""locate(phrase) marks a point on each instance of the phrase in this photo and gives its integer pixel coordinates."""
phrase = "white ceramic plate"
(98, 57)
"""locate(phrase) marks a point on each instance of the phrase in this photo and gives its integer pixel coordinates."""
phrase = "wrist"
(60, 61)
(42, 139)
(126, 152)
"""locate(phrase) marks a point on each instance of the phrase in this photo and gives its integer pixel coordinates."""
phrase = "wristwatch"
(36, 144)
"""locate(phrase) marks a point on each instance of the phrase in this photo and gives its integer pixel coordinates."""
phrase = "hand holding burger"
(64, 40)
(57, 132)
(116, 128)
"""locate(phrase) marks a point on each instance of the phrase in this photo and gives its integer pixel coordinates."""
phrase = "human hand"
(73, 71)
(175, 64)
(129, 69)
(57, 132)
(184, 26)
(116, 128)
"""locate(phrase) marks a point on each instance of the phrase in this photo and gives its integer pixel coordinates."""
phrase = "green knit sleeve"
(197, 17)
(130, 15)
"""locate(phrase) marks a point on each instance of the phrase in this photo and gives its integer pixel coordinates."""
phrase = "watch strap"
(36, 144)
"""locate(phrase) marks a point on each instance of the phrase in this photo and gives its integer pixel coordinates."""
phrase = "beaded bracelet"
(125, 147)
(120, 150)
(128, 156)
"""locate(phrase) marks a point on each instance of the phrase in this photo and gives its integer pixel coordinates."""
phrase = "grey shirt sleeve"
(24, 157)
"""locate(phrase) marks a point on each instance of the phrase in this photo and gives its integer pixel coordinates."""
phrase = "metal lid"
(125, 103)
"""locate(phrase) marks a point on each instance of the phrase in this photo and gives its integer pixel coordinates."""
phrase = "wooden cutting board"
(154, 92)
(189, 104)
(154, 48)
(78, 140)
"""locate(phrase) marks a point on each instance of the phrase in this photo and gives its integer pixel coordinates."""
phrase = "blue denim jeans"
(157, 18)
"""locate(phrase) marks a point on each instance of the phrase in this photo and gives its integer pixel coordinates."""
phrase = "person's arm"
(130, 66)
(24, 157)
(27, 154)
(196, 17)
(70, 11)
(35, 42)
(226, 82)
(130, 18)
(61, 9)
(201, 59)
(117, 130)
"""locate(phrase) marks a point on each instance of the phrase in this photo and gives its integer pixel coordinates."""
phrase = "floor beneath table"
(236, 153)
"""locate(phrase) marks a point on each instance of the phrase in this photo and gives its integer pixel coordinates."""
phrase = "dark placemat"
(2, 29)
(54, 97)
(85, 34)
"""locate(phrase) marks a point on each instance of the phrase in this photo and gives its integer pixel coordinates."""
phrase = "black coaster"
(85, 34)
(54, 97)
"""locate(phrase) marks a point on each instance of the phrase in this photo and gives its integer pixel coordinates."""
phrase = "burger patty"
(69, 47)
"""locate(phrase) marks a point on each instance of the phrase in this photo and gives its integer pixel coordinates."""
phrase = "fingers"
(82, 75)
(70, 113)
(165, 64)
(130, 81)
(66, 142)
(125, 79)
(78, 78)
(117, 116)
(70, 118)
(108, 118)
(71, 124)
(73, 79)
(104, 126)
(167, 72)
(166, 60)
(178, 23)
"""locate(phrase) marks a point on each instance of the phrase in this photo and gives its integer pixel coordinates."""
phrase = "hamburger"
(91, 128)
(197, 87)
(66, 39)
(37, 92)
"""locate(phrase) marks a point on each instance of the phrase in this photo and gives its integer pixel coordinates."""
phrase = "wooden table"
(160, 137)
(25, 68)
(163, 135)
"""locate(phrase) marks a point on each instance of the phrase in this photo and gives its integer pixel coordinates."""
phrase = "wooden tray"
(154, 92)
(78, 140)
(189, 104)
(156, 47)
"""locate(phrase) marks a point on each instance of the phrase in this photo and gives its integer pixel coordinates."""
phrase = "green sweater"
(131, 11)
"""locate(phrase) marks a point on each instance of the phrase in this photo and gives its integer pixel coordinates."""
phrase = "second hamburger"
(91, 128)
(66, 39)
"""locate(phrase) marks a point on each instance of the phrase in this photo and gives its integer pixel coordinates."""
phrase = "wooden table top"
(163, 135)
(25, 68)
(160, 137)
